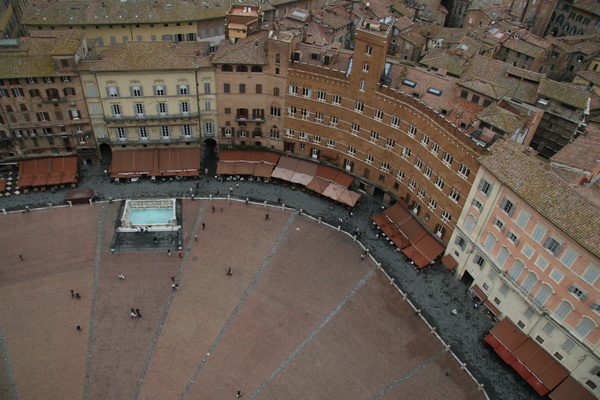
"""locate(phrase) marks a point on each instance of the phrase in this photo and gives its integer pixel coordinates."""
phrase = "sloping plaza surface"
(301, 316)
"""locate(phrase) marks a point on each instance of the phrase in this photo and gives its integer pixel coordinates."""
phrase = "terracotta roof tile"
(501, 118)
(147, 56)
(565, 93)
(583, 153)
(248, 50)
(535, 182)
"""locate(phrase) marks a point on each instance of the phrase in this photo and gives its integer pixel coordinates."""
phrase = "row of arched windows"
(241, 68)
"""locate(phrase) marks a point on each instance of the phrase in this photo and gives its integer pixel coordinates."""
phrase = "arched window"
(256, 68)
(543, 294)
(277, 71)
(277, 58)
(502, 256)
(226, 68)
(241, 68)
(529, 282)
(516, 270)
(469, 223)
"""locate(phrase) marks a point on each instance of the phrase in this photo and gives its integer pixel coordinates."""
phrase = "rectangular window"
(490, 241)
(477, 204)
(591, 275)
(412, 184)
(432, 204)
(405, 153)
(369, 159)
(463, 171)
(226, 88)
(184, 107)
(435, 148)
(319, 117)
(568, 258)
(412, 131)
(165, 132)
(418, 163)
(206, 87)
(162, 108)
(116, 110)
(556, 275)
(374, 137)
(293, 90)
(121, 133)
(454, 195)
(522, 220)
(507, 206)
(548, 329)
(425, 140)
(446, 217)
(421, 194)
(390, 143)
(183, 90)
(187, 131)
(359, 106)
(354, 129)
(143, 133)
(485, 187)
(304, 114)
(378, 115)
(330, 143)
(400, 175)
(538, 233)
(527, 251)
(336, 99)
(258, 89)
(333, 122)
(113, 91)
(384, 166)
(321, 96)
(552, 245)
(303, 136)
(395, 122)
(427, 171)
(306, 92)
(207, 105)
(160, 90)
(316, 139)
(439, 183)
(351, 151)
(242, 88)
(447, 159)
(542, 295)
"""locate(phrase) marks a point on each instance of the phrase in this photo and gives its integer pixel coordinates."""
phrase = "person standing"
(180, 253)
(203, 226)
(21, 257)
(169, 252)
(138, 313)
(267, 217)
(229, 272)
(132, 314)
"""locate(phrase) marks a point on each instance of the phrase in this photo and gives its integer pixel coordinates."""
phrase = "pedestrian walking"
(230, 189)
(447, 372)
(121, 276)
(172, 278)
(175, 286)
(196, 237)
(132, 313)
(155, 240)
(78, 328)
(169, 252)
(180, 253)
(72, 293)
(21, 257)
(221, 208)
(213, 209)
(362, 257)
(77, 296)
(238, 394)
(138, 313)
(237, 185)
(206, 171)
(331, 206)
(203, 226)
(229, 272)
(267, 217)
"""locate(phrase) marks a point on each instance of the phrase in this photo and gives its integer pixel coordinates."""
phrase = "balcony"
(138, 140)
(146, 117)
(54, 101)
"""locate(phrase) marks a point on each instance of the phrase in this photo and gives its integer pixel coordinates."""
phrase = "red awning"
(449, 261)
(571, 389)
(415, 255)
(173, 161)
(244, 168)
(47, 171)
(305, 172)
(327, 173)
(225, 168)
(317, 185)
(329, 154)
(2, 184)
(333, 191)
(480, 293)
(492, 307)
(285, 169)
(263, 170)
(349, 198)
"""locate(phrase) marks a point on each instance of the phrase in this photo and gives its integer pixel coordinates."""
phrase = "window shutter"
(557, 250)
(547, 242)
(154, 89)
(108, 92)
(222, 131)
(583, 297)
(503, 203)
(131, 90)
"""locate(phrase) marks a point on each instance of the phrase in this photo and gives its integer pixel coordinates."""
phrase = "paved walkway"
(434, 291)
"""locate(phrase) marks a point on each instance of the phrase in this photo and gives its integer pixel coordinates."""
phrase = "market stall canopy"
(285, 169)
(225, 168)
(305, 172)
(47, 171)
(449, 261)
(349, 198)
(263, 170)
(317, 185)
(244, 168)
(570, 389)
(178, 162)
(155, 162)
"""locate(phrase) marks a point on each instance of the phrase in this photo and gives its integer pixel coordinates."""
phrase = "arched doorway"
(210, 155)
(105, 154)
